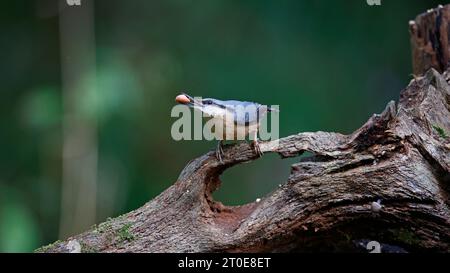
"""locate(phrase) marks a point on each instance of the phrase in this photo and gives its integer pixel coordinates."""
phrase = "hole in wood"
(243, 187)
(251, 182)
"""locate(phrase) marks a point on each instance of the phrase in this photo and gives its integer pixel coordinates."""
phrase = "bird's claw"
(257, 148)
(219, 152)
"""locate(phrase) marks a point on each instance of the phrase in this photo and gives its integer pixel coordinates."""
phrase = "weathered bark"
(430, 40)
(401, 156)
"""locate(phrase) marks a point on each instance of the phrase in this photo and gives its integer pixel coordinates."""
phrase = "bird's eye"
(207, 102)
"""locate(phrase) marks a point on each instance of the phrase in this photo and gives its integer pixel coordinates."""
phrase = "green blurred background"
(328, 64)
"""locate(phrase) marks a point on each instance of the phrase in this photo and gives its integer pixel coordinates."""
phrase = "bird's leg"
(219, 151)
(256, 147)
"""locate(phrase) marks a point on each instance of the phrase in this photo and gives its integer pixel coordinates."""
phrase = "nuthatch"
(239, 118)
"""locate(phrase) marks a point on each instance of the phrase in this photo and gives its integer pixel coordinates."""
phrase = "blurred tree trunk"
(78, 65)
(401, 157)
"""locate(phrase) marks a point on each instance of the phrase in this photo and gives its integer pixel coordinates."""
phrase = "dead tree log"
(430, 40)
(401, 156)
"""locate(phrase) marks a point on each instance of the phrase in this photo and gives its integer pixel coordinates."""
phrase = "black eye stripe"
(210, 102)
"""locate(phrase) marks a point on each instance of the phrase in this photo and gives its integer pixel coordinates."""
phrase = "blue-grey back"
(244, 112)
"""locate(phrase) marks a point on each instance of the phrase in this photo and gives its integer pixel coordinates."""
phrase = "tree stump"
(401, 157)
(430, 40)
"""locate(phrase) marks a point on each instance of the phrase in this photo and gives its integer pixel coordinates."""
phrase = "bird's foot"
(257, 148)
(219, 152)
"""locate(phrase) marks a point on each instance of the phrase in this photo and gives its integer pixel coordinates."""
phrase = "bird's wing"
(240, 112)
(216, 112)
(244, 113)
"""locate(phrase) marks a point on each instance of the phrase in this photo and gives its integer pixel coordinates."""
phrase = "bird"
(239, 119)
